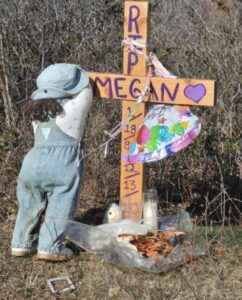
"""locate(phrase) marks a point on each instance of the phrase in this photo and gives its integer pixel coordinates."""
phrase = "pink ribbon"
(134, 45)
(160, 70)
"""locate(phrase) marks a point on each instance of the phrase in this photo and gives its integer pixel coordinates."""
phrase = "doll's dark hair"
(42, 110)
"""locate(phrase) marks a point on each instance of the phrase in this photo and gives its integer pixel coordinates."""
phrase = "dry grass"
(217, 276)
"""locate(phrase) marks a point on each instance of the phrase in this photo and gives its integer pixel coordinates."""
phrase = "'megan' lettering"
(164, 89)
(98, 82)
(129, 87)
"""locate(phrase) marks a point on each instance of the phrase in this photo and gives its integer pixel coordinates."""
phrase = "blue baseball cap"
(59, 81)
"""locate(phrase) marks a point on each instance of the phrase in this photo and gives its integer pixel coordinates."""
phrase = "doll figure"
(49, 181)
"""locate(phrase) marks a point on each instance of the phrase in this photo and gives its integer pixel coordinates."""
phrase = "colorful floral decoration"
(164, 131)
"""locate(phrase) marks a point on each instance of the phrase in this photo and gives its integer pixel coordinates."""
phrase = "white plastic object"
(103, 241)
(150, 208)
(113, 214)
(125, 226)
(51, 281)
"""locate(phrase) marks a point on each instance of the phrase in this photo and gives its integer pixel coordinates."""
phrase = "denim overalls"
(49, 181)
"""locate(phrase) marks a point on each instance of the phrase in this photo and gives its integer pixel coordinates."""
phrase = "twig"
(8, 105)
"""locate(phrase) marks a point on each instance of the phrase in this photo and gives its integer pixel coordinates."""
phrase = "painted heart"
(195, 92)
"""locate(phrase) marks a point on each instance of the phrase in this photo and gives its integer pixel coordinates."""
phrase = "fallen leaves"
(156, 244)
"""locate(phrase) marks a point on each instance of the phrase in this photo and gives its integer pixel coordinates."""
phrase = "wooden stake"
(136, 26)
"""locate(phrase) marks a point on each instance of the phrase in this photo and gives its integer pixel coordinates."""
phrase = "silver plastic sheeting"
(102, 241)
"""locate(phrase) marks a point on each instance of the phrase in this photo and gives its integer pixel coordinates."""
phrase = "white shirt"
(73, 120)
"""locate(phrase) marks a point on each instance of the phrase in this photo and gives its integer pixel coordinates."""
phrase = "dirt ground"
(216, 276)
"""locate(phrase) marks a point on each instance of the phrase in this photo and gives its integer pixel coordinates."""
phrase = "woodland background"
(192, 38)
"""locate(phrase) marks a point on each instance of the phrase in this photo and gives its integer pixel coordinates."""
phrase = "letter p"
(132, 61)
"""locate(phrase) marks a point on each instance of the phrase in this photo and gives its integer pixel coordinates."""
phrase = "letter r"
(134, 13)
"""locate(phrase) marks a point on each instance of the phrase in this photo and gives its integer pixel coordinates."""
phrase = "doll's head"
(56, 82)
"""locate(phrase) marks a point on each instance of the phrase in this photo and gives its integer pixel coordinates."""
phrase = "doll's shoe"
(22, 251)
(65, 254)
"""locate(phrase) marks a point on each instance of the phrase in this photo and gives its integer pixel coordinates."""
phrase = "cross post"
(192, 92)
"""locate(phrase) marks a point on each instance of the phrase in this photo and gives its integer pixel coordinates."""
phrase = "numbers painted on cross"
(129, 185)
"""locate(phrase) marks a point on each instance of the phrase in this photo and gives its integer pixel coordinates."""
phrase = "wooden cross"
(192, 92)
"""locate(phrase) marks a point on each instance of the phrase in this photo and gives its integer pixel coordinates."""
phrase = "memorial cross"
(192, 92)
